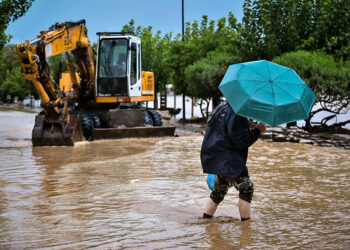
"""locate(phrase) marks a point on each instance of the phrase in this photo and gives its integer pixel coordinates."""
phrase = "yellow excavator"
(95, 99)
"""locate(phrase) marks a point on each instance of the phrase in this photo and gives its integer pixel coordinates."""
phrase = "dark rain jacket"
(225, 145)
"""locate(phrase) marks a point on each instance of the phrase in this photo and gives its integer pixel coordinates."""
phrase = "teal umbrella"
(267, 92)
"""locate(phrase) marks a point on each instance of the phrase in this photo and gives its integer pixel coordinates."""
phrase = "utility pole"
(183, 21)
(183, 39)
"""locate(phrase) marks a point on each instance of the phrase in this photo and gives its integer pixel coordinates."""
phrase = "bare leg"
(244, 209)
(210, 207)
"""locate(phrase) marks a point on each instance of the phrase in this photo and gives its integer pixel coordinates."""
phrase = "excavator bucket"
(57, 134)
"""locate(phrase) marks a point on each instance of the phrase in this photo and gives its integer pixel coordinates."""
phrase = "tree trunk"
(192, 108)
(307, 124)
(4, 98)
(201, 108)
(208, 102)
(183, 107)
(155, 102)
(290, 124)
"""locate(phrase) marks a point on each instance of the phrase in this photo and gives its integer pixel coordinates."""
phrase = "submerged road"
(149, 193)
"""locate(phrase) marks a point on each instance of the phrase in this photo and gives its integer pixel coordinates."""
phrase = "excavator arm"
(61, 38)
(59, 124)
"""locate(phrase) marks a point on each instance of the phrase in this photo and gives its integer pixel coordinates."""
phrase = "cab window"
(139, 61)
(112, 58)
(133, 64)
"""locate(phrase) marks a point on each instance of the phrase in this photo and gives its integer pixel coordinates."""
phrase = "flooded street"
(149, 194)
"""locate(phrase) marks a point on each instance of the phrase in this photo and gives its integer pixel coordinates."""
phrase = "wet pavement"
(149, 194)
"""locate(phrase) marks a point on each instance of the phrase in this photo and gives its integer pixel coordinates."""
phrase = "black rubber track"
(87, 125)
(148, 118)
(95, 119)
(157, 119)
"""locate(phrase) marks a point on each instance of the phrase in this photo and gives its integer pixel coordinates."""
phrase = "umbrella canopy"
(267, 92)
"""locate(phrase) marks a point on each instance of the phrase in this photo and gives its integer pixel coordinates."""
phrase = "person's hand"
(261, 127)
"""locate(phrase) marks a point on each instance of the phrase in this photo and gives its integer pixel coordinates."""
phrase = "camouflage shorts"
(243, 184)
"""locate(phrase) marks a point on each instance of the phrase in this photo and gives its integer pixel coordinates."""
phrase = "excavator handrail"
(115, 33)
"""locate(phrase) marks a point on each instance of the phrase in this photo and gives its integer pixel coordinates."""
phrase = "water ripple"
(149, 194)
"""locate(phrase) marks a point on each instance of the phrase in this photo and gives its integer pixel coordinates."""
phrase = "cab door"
(135, 67)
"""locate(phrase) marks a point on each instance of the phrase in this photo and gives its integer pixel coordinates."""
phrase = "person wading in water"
(224, 153)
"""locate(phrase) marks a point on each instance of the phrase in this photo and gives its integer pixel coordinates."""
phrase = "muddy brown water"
(149, 194)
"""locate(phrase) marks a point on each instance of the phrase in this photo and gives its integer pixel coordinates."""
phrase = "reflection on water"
(149, 193)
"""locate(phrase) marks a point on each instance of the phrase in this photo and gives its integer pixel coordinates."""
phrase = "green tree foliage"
(10, 10)
(8, 60)
(330, 28)
(328, 77)
(57, 66)
(195, 63)
(155, 50)
(202, 43)
(180, 57)
(204, 76)
(14, 85)
(11, 82)
(272, 28)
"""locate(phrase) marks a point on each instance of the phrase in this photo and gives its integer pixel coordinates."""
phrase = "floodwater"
(149, 194)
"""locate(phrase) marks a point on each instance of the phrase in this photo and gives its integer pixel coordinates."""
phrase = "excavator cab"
(118, 66)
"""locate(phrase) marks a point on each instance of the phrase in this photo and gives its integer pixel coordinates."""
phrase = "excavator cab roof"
(127, 35)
